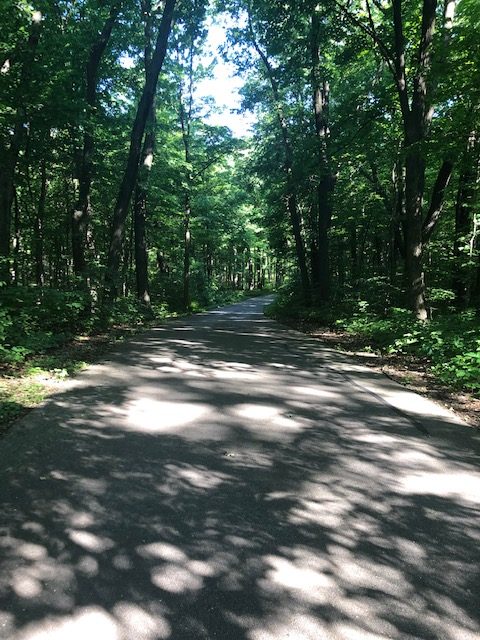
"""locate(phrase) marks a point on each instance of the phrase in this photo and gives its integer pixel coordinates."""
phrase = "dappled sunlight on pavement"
(224, 478)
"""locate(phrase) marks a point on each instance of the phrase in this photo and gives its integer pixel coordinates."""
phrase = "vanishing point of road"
(223, 477)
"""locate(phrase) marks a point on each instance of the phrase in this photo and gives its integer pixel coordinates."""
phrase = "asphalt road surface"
(222, 477)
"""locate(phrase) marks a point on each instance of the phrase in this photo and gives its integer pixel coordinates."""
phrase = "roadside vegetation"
(447, 346)
(46, 338)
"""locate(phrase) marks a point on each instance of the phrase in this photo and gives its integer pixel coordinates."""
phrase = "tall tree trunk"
(38, 226)
(131, 170)
(140, 207)
(416, 119)
(185, 123)
(291, 191)
(16, 239)
(82, 211)
(414, 186)
(9, 156)
(187, 250)
(141, 256)
(353, 244)
(326, 183)
(475, 297)
(396, 214)
(464, 205)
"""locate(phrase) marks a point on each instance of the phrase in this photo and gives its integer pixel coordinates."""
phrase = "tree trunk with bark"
(82, 210)
(9, 156)
(416, 111)
(131, 170)
(140, 241)
(16, 239)
(326, 184)
(416, 119)
(140, 207)
(185, 123)
(187, 250)
(38, 226)
(464, 207)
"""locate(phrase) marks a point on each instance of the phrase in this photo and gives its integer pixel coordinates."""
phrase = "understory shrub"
(449, 344)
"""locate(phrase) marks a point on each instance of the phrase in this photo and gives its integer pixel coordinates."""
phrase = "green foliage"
(463, 370)
(290, 306)
(33, 320)
(448, 344)
(129, 311)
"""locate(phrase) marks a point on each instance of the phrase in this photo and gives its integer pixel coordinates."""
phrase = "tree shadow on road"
(254, 494)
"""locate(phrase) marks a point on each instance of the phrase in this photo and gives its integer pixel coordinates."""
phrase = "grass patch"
(17, 396)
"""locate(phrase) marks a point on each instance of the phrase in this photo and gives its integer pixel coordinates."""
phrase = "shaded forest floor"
(407, 369)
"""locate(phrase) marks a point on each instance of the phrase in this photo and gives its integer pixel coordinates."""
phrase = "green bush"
(462, 370)
(34, 319)
(448, 344)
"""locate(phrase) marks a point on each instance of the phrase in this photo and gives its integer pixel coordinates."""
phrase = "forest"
(355, 196)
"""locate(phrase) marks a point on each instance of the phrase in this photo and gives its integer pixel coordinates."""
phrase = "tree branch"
(372, 33)
(400, 71)
(437, 200)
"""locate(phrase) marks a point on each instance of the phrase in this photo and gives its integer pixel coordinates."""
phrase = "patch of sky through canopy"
(222, 90)
(225, 85)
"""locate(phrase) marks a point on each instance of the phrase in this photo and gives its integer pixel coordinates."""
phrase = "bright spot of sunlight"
(91, 622)
(268, 421)
(31, 551)
(140, 624)
(303, 582)
(175, 579)
(401, 398)
(314, 392)
(153, 416)
(201, 478)
(446, 485)
(88, 566)
(457, 632)
(256, 411)
(280, 365)
(82, 519)
(26, 586)
(362, 573)
(296, 626)
(414, 403)
(89, 541)
(345, 631)
(234, 375)
(163, 551)
(201, 568)
(183, 343)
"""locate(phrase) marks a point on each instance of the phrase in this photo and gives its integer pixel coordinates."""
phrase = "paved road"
(224, 478)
